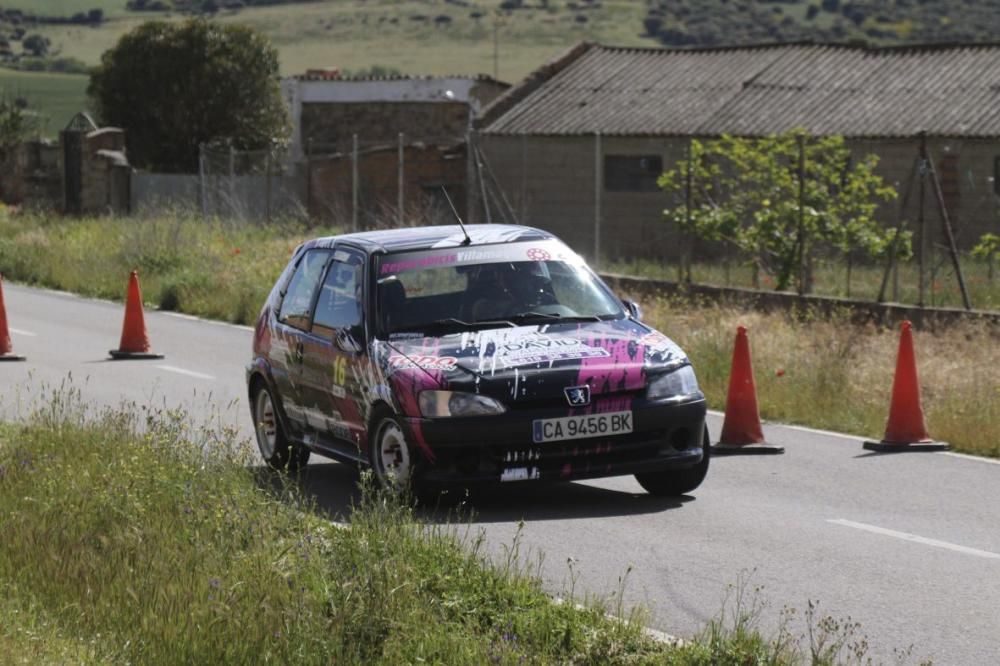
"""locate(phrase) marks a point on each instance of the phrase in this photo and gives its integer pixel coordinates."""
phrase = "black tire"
(675, 482)
(275, 448)
(390, 455)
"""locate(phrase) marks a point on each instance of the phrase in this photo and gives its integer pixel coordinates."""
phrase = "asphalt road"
(907, 545)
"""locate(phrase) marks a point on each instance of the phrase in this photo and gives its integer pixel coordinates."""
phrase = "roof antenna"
(467, 241)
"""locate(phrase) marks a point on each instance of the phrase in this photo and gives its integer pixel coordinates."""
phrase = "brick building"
(407, 135)
(579, 143)
(327, 110)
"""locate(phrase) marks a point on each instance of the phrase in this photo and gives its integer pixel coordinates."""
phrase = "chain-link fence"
(249, 184)
(601, 194)
(373, 184)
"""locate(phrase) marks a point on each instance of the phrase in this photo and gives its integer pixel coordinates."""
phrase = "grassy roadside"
(831, 279)
(215, 269)
(828, 374)
(833, 374)
(164, 547)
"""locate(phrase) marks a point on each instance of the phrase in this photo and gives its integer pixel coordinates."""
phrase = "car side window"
(340, 297)
(296, 307)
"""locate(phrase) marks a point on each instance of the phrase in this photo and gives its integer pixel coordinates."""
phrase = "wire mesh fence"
(249, 184)
(374, 184)
(601, 193)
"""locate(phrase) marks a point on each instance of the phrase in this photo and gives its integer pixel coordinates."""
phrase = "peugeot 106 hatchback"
(489, 354)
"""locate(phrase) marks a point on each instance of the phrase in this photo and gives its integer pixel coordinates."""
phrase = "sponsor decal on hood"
(617, 353)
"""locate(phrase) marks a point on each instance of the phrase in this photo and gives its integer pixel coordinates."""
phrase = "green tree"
(16, 124)
(173, 86)
(746, 192)
(988, 248)
(36, 45)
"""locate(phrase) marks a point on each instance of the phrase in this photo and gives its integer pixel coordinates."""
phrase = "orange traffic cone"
(135, 342)
(906, 430)
(741, 430)
(6, 349)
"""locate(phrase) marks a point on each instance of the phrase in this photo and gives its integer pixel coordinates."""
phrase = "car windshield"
(488, 286)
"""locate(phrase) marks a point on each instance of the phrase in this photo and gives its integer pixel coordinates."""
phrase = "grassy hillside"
(64, 7)
(58, 97)
(726, 22)
(425, 37)
(457, 36)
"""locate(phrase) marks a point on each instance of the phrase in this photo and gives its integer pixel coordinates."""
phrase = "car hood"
(530, 364)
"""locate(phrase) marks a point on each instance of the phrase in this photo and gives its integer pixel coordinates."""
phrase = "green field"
(356, 34)
(58, 97)
(352, 35)
(65, 7)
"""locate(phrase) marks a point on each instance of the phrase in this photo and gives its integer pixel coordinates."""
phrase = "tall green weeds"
(212, 268)
(132, 537)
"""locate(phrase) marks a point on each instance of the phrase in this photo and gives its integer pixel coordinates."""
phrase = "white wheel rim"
(393, 456)
(267, 426)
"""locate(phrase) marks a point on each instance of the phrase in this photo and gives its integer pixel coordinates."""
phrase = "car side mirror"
(633, 309)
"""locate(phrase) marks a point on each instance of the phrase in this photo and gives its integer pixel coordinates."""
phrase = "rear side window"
(296, 307)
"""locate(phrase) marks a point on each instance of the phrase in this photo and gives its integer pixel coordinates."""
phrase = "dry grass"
(823, 373)
(837, 375)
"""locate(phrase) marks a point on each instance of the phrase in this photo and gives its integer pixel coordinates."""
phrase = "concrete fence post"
(267, 185)
(354, 183)
(598, 178)
(399, 183)
(232, 180)
(202, 185)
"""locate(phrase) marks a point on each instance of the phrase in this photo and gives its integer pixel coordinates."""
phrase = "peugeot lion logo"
(577, 396)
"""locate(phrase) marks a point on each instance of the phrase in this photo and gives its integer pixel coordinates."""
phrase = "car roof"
(426, 238)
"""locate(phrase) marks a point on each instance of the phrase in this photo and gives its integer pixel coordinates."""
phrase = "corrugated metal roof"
(754, 91)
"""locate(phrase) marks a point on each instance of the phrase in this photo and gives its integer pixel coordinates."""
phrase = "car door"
(334, 352)
(294, 320)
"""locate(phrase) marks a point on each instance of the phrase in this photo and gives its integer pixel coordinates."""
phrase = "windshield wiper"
(552, 316)
(453, 322)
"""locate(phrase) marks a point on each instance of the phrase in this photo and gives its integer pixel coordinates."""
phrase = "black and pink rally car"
(443, 355)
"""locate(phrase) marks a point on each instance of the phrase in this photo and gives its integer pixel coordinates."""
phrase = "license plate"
(580, 427)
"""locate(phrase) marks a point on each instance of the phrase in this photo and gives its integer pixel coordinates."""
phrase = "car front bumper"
(666, 435)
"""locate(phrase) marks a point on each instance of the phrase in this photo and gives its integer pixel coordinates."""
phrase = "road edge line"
(858, 438)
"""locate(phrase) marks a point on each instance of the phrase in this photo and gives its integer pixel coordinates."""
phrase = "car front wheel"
(674, 482)
(275, 448)
(390, 455)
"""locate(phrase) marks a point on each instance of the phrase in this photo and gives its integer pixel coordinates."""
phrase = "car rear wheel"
(390, 455)
(674, 482)
(275, 448)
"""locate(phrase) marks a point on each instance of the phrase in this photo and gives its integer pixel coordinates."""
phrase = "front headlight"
(437, 404)
(680, 382)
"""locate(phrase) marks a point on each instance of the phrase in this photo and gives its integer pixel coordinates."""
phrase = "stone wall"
(329, 127)
(30, 175)
(425, 170)
(101, 186)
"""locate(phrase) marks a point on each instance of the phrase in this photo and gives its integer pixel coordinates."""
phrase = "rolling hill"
(505, 38)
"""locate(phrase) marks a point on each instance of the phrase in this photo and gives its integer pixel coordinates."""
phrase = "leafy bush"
(781, 198)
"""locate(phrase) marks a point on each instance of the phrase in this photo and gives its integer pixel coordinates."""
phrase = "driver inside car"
(508, 289)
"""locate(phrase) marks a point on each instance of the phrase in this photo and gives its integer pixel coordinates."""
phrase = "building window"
(632, 173)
